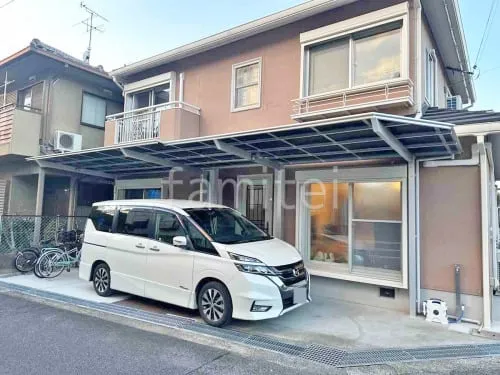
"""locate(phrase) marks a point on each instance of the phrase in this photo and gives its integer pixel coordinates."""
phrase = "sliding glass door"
(354, 228)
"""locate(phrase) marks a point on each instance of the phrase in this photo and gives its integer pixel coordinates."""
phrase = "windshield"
(227, 226)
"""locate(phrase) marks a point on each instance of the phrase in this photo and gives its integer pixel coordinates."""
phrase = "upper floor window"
(152, 96)
(430, 77)
(361, 58)
(30, 98)
(246, 85)
(93, 110)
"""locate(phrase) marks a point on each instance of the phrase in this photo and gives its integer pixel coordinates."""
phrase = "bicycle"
(54, 261)
(26, 259)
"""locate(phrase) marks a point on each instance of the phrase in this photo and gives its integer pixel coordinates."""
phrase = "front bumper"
(248, 289)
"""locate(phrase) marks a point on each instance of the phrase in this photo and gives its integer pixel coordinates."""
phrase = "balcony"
(397, 93)
(19, 130)
(165, 122)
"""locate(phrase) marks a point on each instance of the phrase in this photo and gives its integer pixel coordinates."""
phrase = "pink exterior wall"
(450, 222)
(208, 75)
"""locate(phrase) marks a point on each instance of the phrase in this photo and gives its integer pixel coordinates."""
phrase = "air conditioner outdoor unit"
(454, 102)
(65, 141)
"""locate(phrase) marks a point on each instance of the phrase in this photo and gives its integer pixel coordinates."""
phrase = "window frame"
(105, 110)
(430, 77)
(237, 66)
(346, 29)
(351, 176)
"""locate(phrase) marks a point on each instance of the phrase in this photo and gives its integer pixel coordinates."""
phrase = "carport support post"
(73, 191)
(213, 182)
(412, 236)
(39, 206)
(278, 202)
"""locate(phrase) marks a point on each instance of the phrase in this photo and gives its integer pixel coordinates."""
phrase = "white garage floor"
(67, 284)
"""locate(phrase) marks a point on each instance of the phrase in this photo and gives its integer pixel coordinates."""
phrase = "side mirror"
(179, 241)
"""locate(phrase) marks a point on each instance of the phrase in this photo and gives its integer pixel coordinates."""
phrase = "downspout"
(460, 61)
(494, 216)
(117, 83)
(418, 57)
(485, 233)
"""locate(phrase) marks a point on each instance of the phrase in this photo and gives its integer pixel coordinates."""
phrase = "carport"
(355, 138)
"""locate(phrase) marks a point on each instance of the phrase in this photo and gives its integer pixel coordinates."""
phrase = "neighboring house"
(339, 92)
(53, 103)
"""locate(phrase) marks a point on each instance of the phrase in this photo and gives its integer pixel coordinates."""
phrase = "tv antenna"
(89, 23)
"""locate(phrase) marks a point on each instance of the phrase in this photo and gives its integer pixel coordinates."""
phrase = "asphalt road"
(40, 339)
(36, 338)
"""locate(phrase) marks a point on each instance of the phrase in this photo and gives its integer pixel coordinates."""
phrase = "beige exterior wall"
(207, 81)
(66, 107)
(450, 222)
(428, 44)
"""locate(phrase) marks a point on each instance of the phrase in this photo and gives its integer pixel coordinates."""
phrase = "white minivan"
(195, 255)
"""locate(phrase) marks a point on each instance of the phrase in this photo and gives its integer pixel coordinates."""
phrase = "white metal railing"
(144, 123)
(365, 96)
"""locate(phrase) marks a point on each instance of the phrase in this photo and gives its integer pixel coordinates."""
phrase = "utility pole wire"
(486, 32)
(7, 3)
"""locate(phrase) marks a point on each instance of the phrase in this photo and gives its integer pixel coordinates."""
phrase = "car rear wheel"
(215, 304)
(102, 280)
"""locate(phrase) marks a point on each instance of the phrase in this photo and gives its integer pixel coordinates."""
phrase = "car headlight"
(243, 258)
(255, 269)
(251, 265)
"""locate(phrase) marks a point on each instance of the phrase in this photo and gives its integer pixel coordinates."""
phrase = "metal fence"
(18, 232)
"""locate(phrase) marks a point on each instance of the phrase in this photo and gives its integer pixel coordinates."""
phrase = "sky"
(140, 29)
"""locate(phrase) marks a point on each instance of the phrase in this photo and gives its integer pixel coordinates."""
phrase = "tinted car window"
(134, 221)
(167, 227)
(102, 217)
(227, 226)
(199, 241)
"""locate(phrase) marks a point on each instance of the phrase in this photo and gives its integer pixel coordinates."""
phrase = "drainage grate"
(324, 354)
(317, 353)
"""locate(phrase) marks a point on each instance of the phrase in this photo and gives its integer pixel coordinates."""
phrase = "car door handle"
(154, 248)
(140, 246)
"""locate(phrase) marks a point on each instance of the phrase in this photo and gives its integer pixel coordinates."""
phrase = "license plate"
(299, 295)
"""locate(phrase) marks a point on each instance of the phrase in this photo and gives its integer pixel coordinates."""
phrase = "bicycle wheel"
(51, 264)
(25, 260)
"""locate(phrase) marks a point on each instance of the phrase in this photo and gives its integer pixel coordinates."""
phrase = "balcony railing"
(398, 92)
(144, 123)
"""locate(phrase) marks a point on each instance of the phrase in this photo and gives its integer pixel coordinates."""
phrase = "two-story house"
(50, 103)
(314, 123)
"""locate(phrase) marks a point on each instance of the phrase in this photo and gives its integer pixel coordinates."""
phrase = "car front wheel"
(215, 304)
(102, 280)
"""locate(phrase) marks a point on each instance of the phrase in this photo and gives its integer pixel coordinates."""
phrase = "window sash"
(430, 77)
(93, 110)
(246, 79)
(384, 275)
(350, 41)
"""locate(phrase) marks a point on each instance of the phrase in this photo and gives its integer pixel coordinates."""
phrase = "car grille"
(291, 273)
